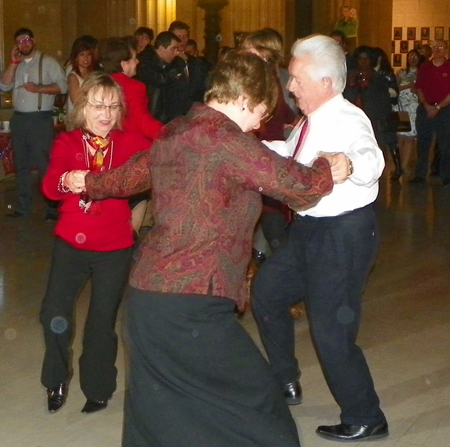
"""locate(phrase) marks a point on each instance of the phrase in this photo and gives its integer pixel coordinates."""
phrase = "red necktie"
(301, 137)
(291, 212)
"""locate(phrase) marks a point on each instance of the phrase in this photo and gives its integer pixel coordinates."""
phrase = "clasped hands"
(339, 165)
(75, 181)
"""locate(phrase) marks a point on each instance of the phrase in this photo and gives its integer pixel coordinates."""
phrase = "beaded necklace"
(101, 146)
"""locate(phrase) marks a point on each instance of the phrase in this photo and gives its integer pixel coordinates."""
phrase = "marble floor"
(405, 333)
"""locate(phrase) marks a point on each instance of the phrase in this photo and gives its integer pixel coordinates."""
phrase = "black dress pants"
(325, 263)
(426, 128)
(32, 138)
(70, 269)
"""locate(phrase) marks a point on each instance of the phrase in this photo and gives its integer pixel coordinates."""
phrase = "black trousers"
(32, 138)
(325, 263)
(70, 269)
(426, 128)
(197, 379)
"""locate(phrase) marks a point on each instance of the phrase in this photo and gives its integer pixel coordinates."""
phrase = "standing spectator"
(408, 102)
(191, 48)
(340, 37)
(330, 249)
(433, 113)
(82, 62)
(191, 84)
(348, 24)
(35, 79)
(153, 70)
(144, 37)
(370, 90)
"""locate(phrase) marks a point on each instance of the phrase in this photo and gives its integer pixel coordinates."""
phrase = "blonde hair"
(95, 82)
(243, 73)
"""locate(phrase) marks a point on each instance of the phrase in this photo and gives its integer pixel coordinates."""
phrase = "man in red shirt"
(433, 113)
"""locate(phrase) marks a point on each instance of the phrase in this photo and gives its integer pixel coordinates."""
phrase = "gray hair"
(327, 59)
(435, 43)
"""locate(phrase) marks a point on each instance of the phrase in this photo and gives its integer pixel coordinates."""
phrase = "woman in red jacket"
(93, 239)
(118, 58)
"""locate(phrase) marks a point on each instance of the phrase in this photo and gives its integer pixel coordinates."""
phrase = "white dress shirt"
(339, 126)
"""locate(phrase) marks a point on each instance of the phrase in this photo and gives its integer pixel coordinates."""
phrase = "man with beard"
(35, 79)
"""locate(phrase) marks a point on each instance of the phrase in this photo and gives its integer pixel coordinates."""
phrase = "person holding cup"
(35, 80)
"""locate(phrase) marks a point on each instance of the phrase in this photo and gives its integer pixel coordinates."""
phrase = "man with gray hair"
(331, 246)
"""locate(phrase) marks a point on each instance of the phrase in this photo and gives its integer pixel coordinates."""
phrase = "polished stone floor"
(405, 333)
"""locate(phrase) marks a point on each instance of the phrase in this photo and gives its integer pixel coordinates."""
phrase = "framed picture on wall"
(417, 44)
(398, 33)
(411, 33)
(397, 60)
(439, 33)
(425, 33)
(404, 46)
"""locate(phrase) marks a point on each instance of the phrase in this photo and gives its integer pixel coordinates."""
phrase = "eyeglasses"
(266, 117)
(103, 107)
(440, 47)
(22, 41)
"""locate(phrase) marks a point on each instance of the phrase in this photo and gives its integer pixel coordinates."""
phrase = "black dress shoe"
(347, 432)
(92, 405)
(56, 397)
(293, 393)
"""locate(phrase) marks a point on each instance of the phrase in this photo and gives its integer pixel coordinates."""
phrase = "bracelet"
(350, 166)
(61, 187)
(15, 62)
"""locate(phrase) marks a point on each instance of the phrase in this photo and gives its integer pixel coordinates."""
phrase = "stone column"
(212, 27)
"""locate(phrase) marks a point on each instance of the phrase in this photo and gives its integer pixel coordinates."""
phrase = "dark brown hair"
(113, 51)
(243, 73)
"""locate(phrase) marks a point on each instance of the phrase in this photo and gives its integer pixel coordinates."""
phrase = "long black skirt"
(196, 379)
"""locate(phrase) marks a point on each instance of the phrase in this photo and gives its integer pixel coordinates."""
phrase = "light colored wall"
(44, 18)
(417, 14)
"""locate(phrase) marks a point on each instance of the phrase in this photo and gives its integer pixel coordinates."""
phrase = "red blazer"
(107, 226)
(137, 118)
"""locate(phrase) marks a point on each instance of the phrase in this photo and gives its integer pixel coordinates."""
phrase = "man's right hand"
(16, 55)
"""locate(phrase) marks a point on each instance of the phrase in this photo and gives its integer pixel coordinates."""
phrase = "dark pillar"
(212, 28)
(304, 18)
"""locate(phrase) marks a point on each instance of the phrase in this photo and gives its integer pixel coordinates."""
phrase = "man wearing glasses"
(35, 80)
(433, 113)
